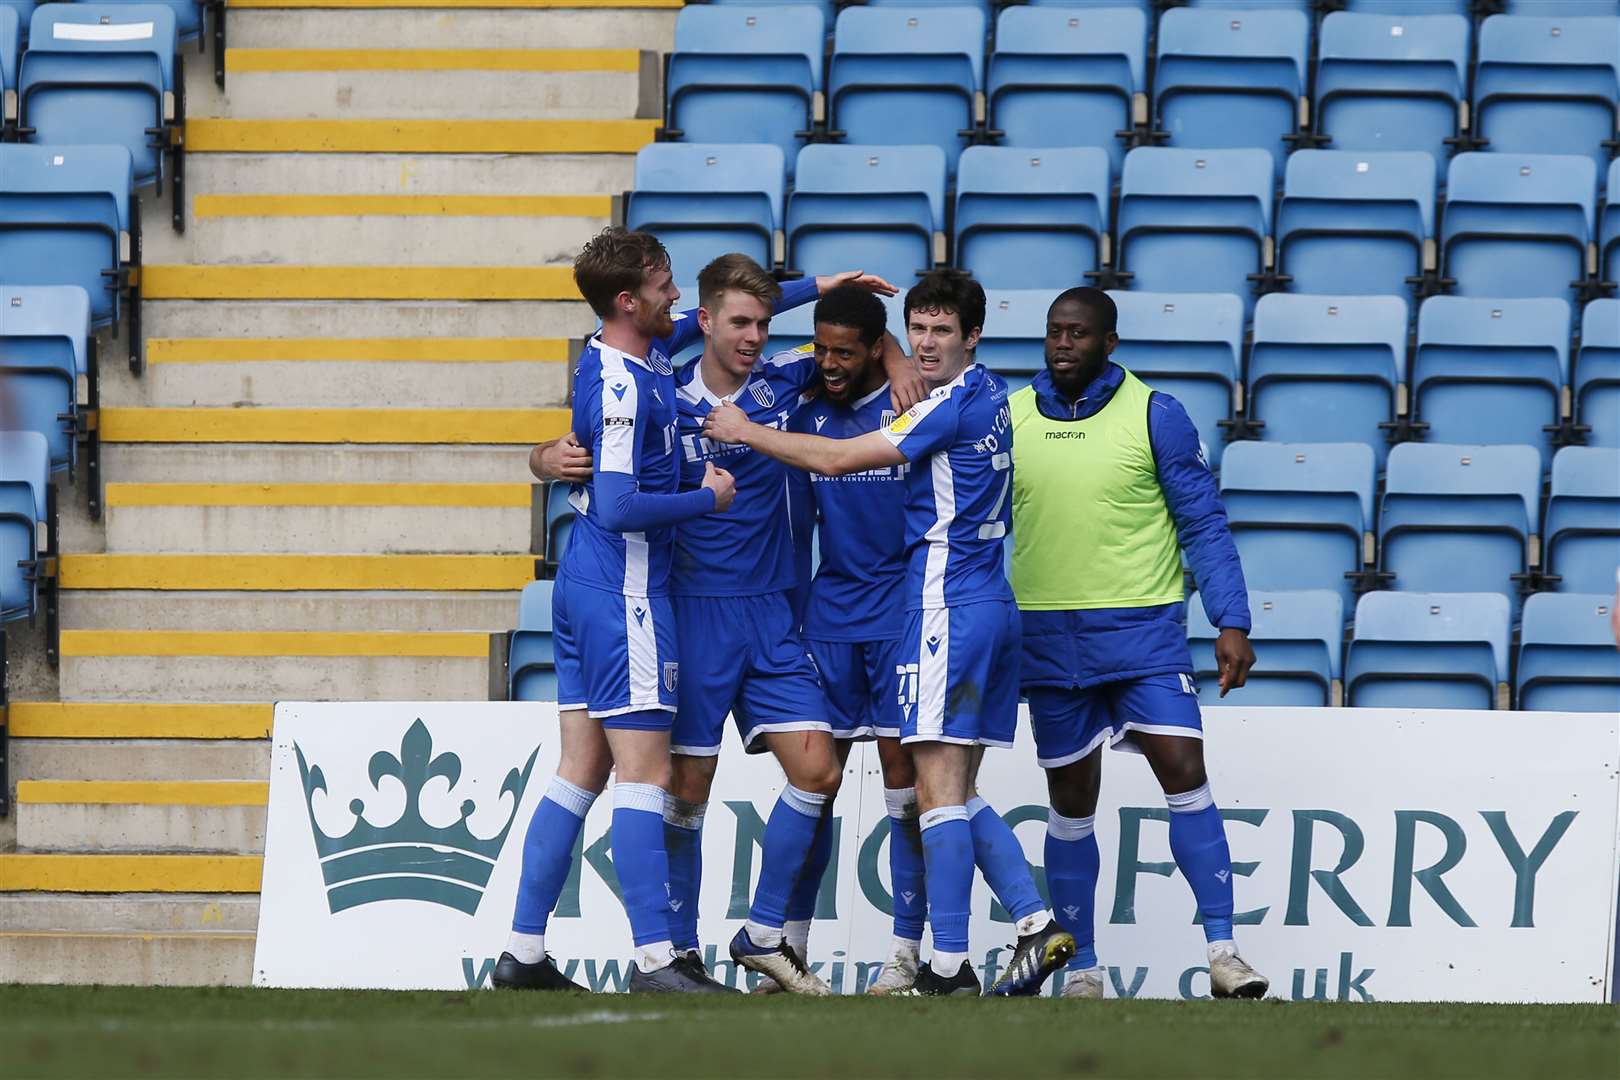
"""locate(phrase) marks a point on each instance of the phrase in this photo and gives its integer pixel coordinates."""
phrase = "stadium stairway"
(318, 487)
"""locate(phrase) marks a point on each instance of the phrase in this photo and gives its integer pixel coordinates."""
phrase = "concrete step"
(305, 518)
(222, 135)
(221, 175)
(488, 24)
(139, 759)
(305, 319)
(296, 573)
(130, 912)
(450, 83)
(141, 816)
(476, 427)
(158, 665)
(195, 281)
(32, 872)
(125, 721)
(282, 611)
(285, 463)
(208, 958)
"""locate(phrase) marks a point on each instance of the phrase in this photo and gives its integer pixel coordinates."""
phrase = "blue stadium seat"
(559, 519)
(10, 54)
(1031, 219)
(1326, 368)
(44, 348)
(1567, 658)
(828, 8)
(1253, 5)
(1299, 512)
(1583, 519)
(1231, 79)
(1519, 224)
(1014, 338)
(746, 74)
(1356, 224)
(65, 220)
(923, 64)
(24, 11)
(1548, 85)
(1609, 230)
(1298, 637)
(1562, 8)
(531, 663)
(24, 479)
(101, 73)
(1194, 220)
(188, 15)
(1597, 373)
(887, 202)
(1146, 7)
(1427, 651)
(1459, 518)
(1189, 345)
(983, 6)
(1407, 7)
(706, 199)
(1490, 371)
(1068, 77)
(1392, 82)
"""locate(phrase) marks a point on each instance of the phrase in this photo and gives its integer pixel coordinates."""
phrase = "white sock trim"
(658, 955)
(1190, 802)
(571, 797)
(683, 814)
(938, 816)
(974, 806)
(1059, 827)
(902, 803)
(807, 803)
(1033, 924)
(796, 932)
(526, 948)
(766, 937)
(646, 797)
(947, 964)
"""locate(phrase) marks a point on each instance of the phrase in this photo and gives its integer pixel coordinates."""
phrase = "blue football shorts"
(1070, 724)
(959, 674)
(615, 656)
(860, 679)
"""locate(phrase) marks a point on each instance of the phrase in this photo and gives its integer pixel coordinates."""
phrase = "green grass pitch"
(124, 1032)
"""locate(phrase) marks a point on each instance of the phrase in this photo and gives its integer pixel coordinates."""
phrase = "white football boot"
(780, 963)
(1230, 976)
(1087, 984)
(899, 971)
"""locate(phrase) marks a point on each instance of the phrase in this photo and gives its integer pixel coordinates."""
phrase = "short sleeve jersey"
(858, 593)
(748, 550)
(624, 410)
(958, 493)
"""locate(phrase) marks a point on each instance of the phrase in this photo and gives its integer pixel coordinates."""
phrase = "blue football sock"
(906, 863)
(548, 853)
(1072, 862)
(948, 854)
(789, 834)
(683, 840)
(1000, 857)
(1198, 843)
(802, 904)
(640, 860)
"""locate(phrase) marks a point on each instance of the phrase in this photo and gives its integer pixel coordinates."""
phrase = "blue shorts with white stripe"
(615, 655)
(959, 674)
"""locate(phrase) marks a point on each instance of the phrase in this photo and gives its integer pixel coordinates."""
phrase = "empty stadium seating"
(1356, 223)
(10, 53)
(1567, 659)
(1031, 220)
(531, 662)
(1609, 230)
(1582, 537)
(1427, 651)
(24, 495)
(1298, 636)
(1299, 512)
(1190, 346)
(44, 349)
(1518, 224)
(1597, 373)
(1326, 368)
(706, 199)
(888, 200)
(1013, 342)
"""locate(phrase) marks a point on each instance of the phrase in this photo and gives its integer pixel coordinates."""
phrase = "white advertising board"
(1377, 854)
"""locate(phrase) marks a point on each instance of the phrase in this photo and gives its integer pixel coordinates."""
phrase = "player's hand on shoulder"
(721, 483)
(859, 278)
(726, 423)
(563, 459)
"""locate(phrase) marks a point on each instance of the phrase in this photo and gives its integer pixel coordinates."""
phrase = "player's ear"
(625, 303)
(705, 320)
(1111, 342)
(972, 339)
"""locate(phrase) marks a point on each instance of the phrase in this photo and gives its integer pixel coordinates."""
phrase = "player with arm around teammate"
(959, 646)
(1110, 488)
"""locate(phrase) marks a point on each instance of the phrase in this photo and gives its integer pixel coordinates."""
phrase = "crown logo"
(409, 859)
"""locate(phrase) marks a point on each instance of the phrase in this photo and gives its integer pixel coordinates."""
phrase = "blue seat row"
(25, 494)
(1421, 650)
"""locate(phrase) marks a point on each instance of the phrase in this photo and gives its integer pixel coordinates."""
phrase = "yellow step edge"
(144, 936)
(435, 350)
(131, 873)
(275, 60)
(139, 720)
(557, 5)
(215, 134)
(273, 643)
(225, 206)
(474, 427)
(355, 495)
(277, 282)
(144, 792)
(299, 573)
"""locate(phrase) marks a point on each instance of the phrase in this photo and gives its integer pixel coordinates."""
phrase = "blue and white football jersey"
(624, 410)
(858, 593)
(958, 493)
(748, 550)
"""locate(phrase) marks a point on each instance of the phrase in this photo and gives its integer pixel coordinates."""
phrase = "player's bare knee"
(692, 777)
(819, 778)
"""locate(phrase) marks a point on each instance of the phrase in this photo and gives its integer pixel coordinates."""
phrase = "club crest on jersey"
(762, 393)
(660, 363)
(672, 674)
(887, 419)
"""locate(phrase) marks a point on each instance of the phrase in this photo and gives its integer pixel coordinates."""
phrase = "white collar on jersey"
(863, 402)
(609, 350)
(697, 391)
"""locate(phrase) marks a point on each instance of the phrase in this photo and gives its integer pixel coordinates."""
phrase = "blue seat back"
(1548, 84)
(531, 663)
(24, 474)
(1561, 7)
(1297, 636)
(826, 7)
(1609, 228)
(64, 218)
(707, 199)
(1567, 658)
(10, 45)
(1031, 219)
(1427, 650)
(1325, 368)
(44, 335)
(1189, 345)
(1354, 223)
(1392, 82)
(1583, 518)
(1597, 372)
(1013, 342)
(188, 15)
(1231, 78)
(1519, 224)
(892, 198)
